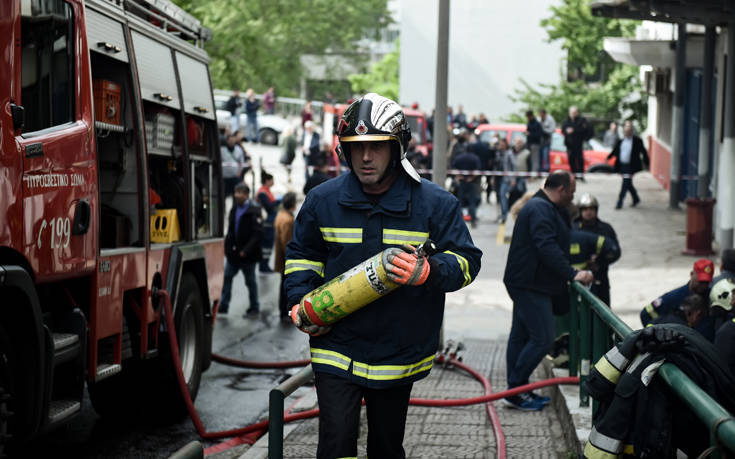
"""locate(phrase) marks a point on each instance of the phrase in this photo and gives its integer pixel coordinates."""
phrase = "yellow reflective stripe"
(600, 243)
(574, 248)
(607, 370)
(393, 236)
(629, 450)
(391, 372)
(592, 452)
(332, 358)
(579, 266)
(303, 265)
(604, 443)
(651, 311)
(463, 265)
(367, 138)
(346, 235)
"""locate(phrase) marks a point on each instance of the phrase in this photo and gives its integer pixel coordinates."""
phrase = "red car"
(419, 130)
(595, 160)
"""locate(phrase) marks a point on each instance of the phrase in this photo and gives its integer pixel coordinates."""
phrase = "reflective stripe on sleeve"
(303, 265)
(463, 265)
(332, 358)
(651, 311)
(600, 243)
(344, 235)
(607, 370)
(617, 359)
(391, 372)
(579, 266)
(605, 443)
(592, 452)
(393, 236)
(629, 450)
(574, 248)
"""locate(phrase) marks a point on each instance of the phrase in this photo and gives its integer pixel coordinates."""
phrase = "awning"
(707, 12)
(657, 53)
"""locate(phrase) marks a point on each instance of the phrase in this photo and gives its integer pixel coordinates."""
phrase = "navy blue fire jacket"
(391, 341)
(665, 304)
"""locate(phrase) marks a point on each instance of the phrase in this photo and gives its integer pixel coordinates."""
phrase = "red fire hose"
(489, 397)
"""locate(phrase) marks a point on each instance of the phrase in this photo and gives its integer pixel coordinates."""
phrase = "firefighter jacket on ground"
(582, 245)
(393, 340)
(638, 415)
(665, 304)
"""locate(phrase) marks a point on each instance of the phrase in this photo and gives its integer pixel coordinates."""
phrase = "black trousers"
(576, 159)
(627, 185)
(339, 418)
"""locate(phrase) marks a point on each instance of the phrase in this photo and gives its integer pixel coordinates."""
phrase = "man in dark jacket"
(242, 248)
(380, 350)
(468, 186)
(534, 134)
(576, 130)
(630, 155)
(538, 268)
(590, 222)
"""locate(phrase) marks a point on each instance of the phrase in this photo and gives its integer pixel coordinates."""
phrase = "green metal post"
(585, 332)
(600, 336)
(574, 299)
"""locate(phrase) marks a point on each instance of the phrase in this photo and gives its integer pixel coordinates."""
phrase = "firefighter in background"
(379, 351)
(588, 221)
(699, 282)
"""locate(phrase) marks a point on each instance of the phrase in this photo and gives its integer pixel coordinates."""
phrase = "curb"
(560, 403)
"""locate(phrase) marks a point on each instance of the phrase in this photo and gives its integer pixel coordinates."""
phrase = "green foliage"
(258, 43)
(618, 96)
(382, 78)
(581, 33)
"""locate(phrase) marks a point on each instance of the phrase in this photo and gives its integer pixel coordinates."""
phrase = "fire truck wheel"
(189, 319)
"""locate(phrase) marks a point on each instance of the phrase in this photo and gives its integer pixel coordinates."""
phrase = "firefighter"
(379, 351)
(725, 334)
(589, 221)
(699, 281)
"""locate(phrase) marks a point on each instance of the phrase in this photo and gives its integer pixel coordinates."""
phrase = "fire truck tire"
(189, 320)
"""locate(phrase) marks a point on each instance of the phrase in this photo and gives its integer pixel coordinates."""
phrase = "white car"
(270, 127)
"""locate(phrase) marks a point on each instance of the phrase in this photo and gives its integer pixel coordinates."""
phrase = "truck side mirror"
(18, 114)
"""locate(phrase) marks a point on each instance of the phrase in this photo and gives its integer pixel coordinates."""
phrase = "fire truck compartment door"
(105, 36)
(156, 71)
(195, 86)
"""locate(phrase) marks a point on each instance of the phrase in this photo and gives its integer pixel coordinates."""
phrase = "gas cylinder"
(351, 290)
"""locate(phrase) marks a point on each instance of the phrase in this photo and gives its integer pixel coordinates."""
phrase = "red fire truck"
(111, 190)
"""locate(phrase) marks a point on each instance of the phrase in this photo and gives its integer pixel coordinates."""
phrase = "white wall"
(492, 44)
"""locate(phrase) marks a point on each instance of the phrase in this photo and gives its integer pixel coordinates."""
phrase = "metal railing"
(591, 322)
(275, 409)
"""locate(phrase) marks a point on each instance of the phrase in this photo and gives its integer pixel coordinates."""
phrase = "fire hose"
(263, 425)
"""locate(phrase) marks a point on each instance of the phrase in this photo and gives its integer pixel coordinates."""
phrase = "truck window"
(47, 58)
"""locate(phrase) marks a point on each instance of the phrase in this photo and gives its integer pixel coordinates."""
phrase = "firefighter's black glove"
(659, 339)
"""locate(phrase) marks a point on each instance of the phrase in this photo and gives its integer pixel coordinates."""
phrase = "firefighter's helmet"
(587, 200)
(721, 294)
(373, 118)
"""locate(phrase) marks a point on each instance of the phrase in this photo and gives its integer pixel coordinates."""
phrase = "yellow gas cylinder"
(351, 290)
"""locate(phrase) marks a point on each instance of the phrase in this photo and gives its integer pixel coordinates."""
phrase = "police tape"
(484, 173)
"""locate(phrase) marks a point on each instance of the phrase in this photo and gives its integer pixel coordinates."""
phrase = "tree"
(258, 43)
(617, 95)
(382, 78)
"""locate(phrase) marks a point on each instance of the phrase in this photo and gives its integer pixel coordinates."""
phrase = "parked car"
(270, 127)
(595, 155)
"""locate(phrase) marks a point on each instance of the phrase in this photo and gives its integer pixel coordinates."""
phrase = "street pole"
(726, 166)
(439, 159)
(705, 130)
(677, 118)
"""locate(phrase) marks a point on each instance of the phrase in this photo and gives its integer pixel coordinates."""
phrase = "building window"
(47, 75)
